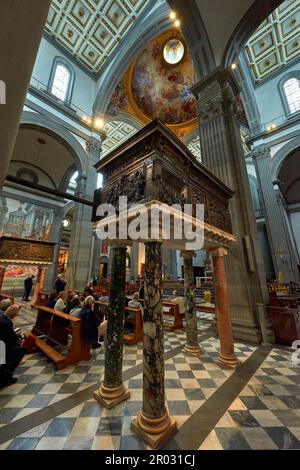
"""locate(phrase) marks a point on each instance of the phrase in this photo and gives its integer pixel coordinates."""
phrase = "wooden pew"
(138, 324)
(5, 296)
(100, 308)
(173, 312)
(52, 324)
(42, 299)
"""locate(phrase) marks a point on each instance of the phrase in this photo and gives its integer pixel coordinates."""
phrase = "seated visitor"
(76, 306)
(60, 284)
(14, 352)
(52, 300)
(60, 304)
(90, 323)
(69, 301)
(89, 289)
(134, 303)
(4, 304)
(142, 291)
(177, 299)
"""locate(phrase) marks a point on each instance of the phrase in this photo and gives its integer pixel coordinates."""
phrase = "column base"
(154, 431)
(193, 350)
(229, 360)
(110, 397)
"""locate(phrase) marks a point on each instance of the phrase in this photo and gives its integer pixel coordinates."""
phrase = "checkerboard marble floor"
(265, 415)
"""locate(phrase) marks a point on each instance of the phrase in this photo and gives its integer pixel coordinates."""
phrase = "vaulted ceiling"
(276, 42)
(92, 29)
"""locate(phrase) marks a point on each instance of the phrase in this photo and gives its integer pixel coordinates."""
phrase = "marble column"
(153, 423)
(80, 251)
(112, 390)
(222, 153)
(280, 242)
(2, 274)
(192, 346)
(40, 282)
(227, 355)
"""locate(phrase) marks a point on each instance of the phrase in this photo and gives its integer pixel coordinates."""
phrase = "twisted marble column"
(192, 346)
(153, 424)
(227, 355)
(113, 391)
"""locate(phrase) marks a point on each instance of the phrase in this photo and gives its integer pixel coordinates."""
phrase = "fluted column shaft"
(2, 274)
(222, 153)
(281, 246)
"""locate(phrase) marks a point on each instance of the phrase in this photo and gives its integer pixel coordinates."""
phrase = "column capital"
(120, 243)
(220, 252)
(188, 254)
(260, 152)
(94, 147)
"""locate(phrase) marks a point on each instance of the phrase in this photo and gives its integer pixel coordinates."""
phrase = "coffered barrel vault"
(92, 29)
(276, 42)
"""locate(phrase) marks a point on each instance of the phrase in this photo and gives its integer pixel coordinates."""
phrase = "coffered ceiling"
(117, 133)
(91, 29)
(276, 42)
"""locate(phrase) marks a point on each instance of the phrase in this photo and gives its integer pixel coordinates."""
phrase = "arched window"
(61, 80)
(292, 93)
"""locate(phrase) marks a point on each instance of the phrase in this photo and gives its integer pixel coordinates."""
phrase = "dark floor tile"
(194, 394)
(179, 360)
(91, 410)
(292, 389)
(291, 402)
(253, 403)
(179, 408)
(207, 383)
(266, 380)
(32, 389)
(243, 419)
(232, 439)
(24, 443)
(132, 408)
(25, 379)
(58, 379)
(8, 414)
(170, 367)
(185, 374)
(283, 438)
(295, 378)
(3, 400)
(110, 426)
(271, 371)
(260, 390)
(90, 378)
(135, 384)
(40, 401)
(82, 369)
(172, 383)
(217, 374)
(78, 443)
(289, 418)
(69, 388)
(197, 367)
(60, 427)
(131, 443)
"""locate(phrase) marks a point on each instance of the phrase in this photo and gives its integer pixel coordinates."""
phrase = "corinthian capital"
(263, 151)
(94, 147)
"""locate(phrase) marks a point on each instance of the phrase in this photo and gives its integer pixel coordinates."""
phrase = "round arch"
(279, 158)
(39, 122)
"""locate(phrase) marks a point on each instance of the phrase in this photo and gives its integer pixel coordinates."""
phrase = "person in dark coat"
(60, 284)
(142, 291)
(90, 323)
(13, 352)
(28, 284)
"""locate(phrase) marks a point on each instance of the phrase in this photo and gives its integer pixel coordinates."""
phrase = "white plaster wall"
(268, 97)
(84, 87)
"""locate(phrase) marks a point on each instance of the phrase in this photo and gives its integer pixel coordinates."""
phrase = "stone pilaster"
(222, 153)
(227, 355)
(113, 391)
(80, 253)
(280, 242)
(192, 346)
(153, 423)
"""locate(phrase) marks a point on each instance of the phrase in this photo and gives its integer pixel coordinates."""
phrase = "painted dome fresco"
(161, 81)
